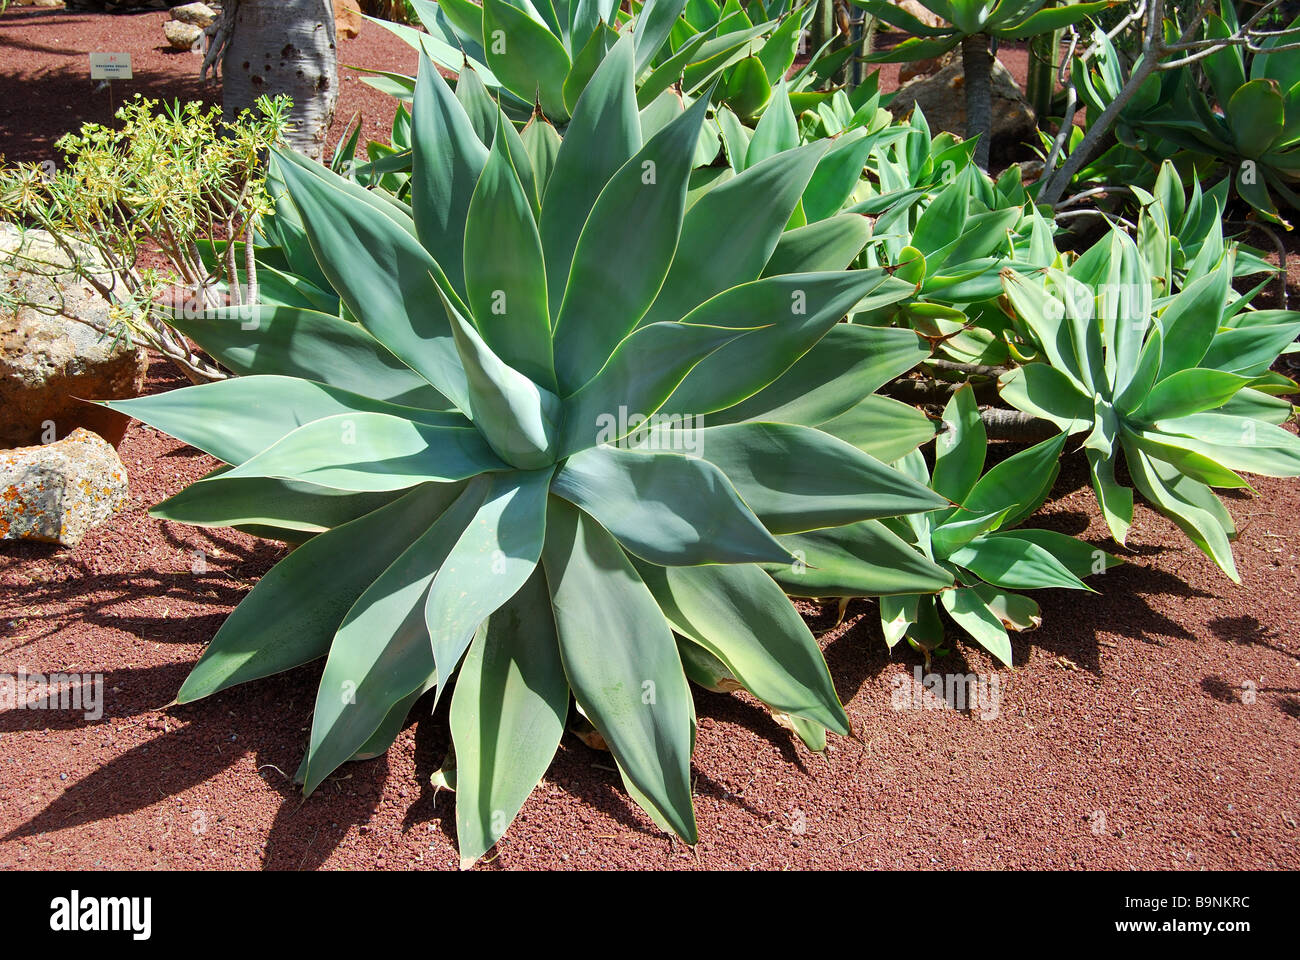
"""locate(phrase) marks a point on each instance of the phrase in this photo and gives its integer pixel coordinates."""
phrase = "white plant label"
(110, 66)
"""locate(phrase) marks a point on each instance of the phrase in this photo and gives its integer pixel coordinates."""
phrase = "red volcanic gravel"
(46, 90)
(1156, 725)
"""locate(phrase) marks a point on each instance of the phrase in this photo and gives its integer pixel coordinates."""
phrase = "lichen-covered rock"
(182, 36)
(199, 14)
(50, 361)
(943, 101)
(56, 492)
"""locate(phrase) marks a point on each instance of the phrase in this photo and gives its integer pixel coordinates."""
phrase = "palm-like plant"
(972, 24)
(478, 450)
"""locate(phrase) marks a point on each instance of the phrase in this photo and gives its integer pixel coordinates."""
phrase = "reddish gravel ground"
(1154, 726)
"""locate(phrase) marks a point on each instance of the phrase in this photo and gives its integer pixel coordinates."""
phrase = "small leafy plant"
(1169, 383)
(172, 177)
(494, 453)
(976, 543)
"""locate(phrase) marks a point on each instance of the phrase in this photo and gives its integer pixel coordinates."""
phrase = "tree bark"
(284, 47)
(1002, 424)
(977, 65)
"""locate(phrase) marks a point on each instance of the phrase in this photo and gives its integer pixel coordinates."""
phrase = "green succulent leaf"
(666, 508)
(507, 717)
(717, 608)
(639, 215)
(290, 616)
(505, 276)
(863, 559)
(447, 159)
(529, 59)
(371, 452)
(972, 614)
(621, 662)
(292, 342)
(381, 653)
(796, 478)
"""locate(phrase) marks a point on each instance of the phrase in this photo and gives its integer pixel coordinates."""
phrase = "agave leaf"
(1184, 503)
(488, 564)
(1256, 115)
(730, 233)
(639, 497)
(653, 25)
(882, 427)
(505, 276)
(446, 161)
(585, 63)
(639, 215)
(796, 478)
(1189, 322)
(381, 653)
(621, 662)
(529, 60)
(1014, 564)
(897, 616)
(1019, 484)
(542, 144)
(1044, 391)
(373, 452)
(380, 270)
(266, 501)
(207, 416)
(1238, 443)
(1250, 351)
(518, 419)
(643, 372)
(781, 664)
(314, 346)
(799, 308)
(507, 717)
(864, 559)
(603, 133)
(1014, 610)
(777, 130)
(830, 244)
(959, 451)
(292, 612)
(1189, 391)
(973, 615)
(832, 378)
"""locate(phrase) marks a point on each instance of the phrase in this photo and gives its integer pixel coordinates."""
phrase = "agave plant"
(494, 454)
(1168, 383)
(952, 244)
(974, 541)
(545, 54)
(1250, 117)
(1180, 234)
(972, 24)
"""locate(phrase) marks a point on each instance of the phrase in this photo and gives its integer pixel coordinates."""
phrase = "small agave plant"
(494, 453)
(1179, 385)
(976, 543)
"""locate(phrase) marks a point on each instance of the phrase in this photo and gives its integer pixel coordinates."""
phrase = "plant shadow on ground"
(217, 733)
(65, 600)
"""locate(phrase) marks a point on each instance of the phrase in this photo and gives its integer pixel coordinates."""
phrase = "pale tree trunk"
(284, 47)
